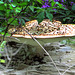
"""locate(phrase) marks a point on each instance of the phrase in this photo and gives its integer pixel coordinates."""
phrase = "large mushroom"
(45, 32)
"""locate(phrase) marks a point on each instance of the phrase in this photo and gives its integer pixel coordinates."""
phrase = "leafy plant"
(67, 15)
(2, 49)
(36, 9)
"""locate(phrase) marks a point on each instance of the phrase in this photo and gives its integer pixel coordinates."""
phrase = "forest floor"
(62, 55)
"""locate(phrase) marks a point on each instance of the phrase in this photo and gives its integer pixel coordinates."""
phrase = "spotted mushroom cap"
(12, 30)
(46, 27)
(31, 23)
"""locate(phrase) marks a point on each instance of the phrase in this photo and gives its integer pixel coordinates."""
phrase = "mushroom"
(52, 36)
(46, 37)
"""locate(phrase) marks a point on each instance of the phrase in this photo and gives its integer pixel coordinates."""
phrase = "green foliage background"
(9, 9)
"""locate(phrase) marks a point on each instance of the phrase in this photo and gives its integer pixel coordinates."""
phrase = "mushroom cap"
(46, 29)
(31, 22)
(12, 30)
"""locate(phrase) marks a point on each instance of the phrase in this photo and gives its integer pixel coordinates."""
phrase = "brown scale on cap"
(45, 27)
(33, 22)
(33, 27)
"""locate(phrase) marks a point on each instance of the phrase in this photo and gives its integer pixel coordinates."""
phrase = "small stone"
(69, 60)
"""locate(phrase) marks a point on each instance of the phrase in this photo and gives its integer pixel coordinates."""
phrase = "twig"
(18, 50)
(2, 66)
(7, 54)
(48, 55)
(9, 58)
(40, 46)
(7, 65)
(44, 50)
(68, 69)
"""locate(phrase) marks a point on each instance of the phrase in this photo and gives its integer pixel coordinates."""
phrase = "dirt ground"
(62, 55)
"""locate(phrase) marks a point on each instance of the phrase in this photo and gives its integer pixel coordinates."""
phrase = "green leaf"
(26, 18)
(22, 4)
(73, 7)
(57, 2)
(3, 43)
(0, 55)
(52, 3)
(60, 5)
(22, 21)
(65, 8)
(10, 1)
(1, 14)
(2, 49)
(2, 60)
(2, 33)
(66, 18)
(31, 8)
(2, 28)
(40, 1)
(1, 2)
(28, 0)
(13, 5)
(68, 12)
(71, 16)
(5, 4)
(17, 9)
(2, 7)
(15, 22)
(7, 12)
(7, 34)
(10, 6)
(49, 15)
(51, 10)
(39, 10)
(72, 42)
(40, 17)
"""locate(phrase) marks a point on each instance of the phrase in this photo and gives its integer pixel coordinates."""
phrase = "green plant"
(35, 9)
(69, 41)
(2, 49)
(68, 15)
